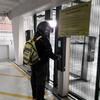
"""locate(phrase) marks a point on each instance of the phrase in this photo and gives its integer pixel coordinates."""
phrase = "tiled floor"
(15, 84)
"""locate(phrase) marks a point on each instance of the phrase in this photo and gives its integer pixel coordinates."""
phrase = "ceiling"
(7, 5)
(14, 8)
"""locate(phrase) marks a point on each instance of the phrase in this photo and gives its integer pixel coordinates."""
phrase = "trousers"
(38, 78)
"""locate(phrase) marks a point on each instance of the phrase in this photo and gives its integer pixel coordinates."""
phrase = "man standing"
(39, 70)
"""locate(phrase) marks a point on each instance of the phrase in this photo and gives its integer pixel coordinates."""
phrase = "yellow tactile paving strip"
(23, 72)
(47, 94)
(16, 95)
(9, 75)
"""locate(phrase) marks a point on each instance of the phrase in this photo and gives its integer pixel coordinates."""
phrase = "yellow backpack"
(30, 54)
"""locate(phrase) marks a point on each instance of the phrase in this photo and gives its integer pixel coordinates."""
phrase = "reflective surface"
(82, 73)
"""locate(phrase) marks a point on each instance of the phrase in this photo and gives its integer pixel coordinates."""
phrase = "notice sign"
(75, 20)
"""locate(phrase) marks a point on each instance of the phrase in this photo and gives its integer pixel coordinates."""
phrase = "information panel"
(75, 20)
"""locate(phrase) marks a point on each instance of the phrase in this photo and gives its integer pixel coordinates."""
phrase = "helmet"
(44, 27)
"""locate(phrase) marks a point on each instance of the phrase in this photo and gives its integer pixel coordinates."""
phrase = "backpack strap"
(38, 38)
(30, 42)
(34, 41)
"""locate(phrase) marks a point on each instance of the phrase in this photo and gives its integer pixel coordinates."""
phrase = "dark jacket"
(44, 48)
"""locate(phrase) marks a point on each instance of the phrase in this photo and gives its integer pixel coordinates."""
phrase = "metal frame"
(98, 74)
(56, 43)
(35, 22)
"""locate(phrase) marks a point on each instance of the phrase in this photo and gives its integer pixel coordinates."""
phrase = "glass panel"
(5, 29)
(28, 23)
(82, 73)
(51, 68)
(40, 17)
(52, 41)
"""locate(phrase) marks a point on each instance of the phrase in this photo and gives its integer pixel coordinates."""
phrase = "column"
(19, 38)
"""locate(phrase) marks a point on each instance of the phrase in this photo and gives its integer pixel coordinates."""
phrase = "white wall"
(18, 37)
(4, 52)
(7, 49)
(11, 50)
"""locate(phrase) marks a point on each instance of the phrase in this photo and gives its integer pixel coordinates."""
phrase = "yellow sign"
(75, 20)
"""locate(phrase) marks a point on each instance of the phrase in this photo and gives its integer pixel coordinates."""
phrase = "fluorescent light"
(86, 0)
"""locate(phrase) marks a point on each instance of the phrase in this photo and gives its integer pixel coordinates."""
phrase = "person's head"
(45, 28)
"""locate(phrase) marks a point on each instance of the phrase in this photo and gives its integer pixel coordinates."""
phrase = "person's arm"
(48, 50)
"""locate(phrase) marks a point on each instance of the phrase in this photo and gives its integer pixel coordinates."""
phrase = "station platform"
(15, 84)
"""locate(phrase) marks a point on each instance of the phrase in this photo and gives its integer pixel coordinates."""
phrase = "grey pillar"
(63, 76)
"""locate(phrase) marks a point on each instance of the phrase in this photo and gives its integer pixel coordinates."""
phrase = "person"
(39, 70)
